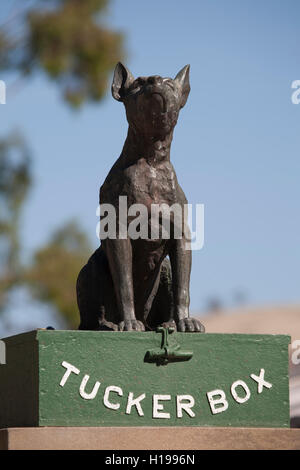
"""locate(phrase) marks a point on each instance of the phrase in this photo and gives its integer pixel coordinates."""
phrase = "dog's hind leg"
(95, 295)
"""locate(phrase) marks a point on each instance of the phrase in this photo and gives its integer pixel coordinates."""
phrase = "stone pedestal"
(148, 438)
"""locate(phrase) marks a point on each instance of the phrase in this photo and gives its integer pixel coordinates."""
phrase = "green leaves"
(54, 270)
(69, 43)
(15, 182)
(52, 273)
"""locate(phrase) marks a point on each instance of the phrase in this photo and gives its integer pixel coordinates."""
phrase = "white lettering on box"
(186, 406)
(68, 372)
(261, 383)
(158, 407)
(107, 403)
(82, 392)
(219, 401)
(135, 402)
(238, 399)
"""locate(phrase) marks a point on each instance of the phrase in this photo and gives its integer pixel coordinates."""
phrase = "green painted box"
(86, 378)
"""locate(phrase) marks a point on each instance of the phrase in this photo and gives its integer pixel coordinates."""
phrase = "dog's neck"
(154, 150)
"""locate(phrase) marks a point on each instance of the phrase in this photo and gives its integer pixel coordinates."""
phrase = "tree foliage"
(15, 182)
(54, 270)
(67, 40)
(51, 274)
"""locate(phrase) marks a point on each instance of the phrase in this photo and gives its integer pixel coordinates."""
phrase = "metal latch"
(168, 352)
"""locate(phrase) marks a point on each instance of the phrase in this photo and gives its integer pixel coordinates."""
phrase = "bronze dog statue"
(131, 284)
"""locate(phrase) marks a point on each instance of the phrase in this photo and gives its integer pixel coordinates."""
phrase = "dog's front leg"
(119, 255)
(181, 261)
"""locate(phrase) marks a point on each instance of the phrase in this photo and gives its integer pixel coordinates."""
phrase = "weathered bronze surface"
(143, 283)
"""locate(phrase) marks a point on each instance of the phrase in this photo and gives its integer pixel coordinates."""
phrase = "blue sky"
(235, 148)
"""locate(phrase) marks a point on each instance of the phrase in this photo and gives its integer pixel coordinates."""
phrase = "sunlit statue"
(140, 283)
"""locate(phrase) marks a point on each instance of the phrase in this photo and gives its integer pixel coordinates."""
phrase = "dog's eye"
(135, 89)
(136, 86)
(170, 83)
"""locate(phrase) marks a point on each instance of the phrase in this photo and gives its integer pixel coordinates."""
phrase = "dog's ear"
(121, 81)
(183, 79)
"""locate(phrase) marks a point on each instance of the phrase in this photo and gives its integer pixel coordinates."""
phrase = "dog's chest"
(147, 184)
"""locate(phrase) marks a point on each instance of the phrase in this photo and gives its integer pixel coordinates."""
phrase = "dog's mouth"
(159, 102)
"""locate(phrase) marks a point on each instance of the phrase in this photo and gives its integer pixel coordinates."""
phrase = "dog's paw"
(131, 325)
(190, 325)
(169, 324)
(107, 326)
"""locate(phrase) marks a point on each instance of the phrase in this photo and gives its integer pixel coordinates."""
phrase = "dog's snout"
(155, 80)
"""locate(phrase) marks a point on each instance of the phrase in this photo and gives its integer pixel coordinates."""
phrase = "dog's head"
(152, 103)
